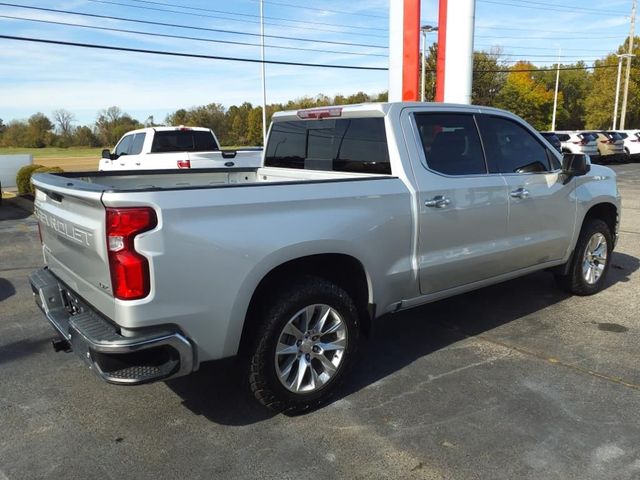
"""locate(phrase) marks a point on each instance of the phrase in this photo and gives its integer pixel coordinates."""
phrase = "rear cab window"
(165, 141)
(451, 143)
(343, 145)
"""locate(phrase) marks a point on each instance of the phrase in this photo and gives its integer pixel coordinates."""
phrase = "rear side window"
(510, 148)
(136, 144)
(123, 147)
(451, 143)
(183, 141)
(345, 145)
(563, 137)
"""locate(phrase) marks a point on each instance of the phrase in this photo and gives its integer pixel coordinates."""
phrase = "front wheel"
(305, 342)
(590, 261)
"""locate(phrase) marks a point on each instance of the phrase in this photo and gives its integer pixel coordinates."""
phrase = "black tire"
(273, 316)
(574, 281)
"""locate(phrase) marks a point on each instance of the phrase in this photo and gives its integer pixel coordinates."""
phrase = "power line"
(582, 9)
(199, 39)
(175, 25)
(520, 47)
(552, 38)
(273, 62)
(525, 70)
(188, 55)
(524, 29)
(554, 8)
(109, 2)
(306, 22)
(340, 12)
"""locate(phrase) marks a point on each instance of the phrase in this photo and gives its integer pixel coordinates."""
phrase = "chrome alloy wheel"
(310, 348)
(595, 258)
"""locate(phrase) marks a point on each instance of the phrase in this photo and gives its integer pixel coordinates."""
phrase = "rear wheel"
(590, 261)
(304, 345)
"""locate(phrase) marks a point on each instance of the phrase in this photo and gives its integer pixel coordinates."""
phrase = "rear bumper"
(147, 356)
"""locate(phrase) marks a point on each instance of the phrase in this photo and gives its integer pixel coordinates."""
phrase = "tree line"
(585, 100)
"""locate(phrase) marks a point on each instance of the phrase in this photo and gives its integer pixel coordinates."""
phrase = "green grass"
(53, 152)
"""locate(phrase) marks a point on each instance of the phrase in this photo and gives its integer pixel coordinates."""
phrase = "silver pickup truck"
(357, 212)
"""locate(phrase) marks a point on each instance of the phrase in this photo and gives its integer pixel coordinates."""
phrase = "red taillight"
(129, 269)
(184, 163)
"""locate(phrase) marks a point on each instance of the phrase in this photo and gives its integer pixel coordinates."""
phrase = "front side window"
(510, 148)
(123, 147)
(451, 143)
(345, 145)
(136, 144)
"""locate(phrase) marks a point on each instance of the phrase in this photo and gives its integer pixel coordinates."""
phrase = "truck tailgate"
(242, 159)
(72, 226)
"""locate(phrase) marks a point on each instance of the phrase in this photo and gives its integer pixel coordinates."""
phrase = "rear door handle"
(521, 193)
(439, 201)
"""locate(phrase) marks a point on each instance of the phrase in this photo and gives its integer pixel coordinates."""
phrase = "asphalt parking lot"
(515, 381)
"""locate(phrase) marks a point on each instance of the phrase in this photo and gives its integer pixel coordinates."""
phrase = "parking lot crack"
(556, 361)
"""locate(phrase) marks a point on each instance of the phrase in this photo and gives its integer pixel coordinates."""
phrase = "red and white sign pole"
(455, 50)
(404, 50)
(454, 72)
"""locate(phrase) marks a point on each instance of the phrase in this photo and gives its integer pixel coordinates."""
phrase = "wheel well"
(343, 270)
(606, 212)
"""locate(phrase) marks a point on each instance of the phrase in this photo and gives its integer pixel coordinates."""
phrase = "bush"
(23, 179)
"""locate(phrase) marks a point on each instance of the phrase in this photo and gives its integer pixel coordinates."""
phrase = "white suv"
(631, 143)
(578, 142)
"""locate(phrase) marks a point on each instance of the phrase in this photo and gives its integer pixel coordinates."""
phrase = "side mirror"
(575, 164)
(106, 154)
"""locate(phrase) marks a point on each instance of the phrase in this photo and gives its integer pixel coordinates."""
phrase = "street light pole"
(628, 72)
(555, 95)
(423, 83)
(615, 107)
(264, 80)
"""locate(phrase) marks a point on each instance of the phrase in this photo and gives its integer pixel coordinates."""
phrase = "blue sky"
(38, 77)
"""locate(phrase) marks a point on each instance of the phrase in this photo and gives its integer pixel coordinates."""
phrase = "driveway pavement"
(517, 380)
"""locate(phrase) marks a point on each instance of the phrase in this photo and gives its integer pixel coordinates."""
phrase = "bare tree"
(63, 119)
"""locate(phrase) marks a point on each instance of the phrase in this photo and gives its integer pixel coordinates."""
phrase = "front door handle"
(438, 201)
(521, 193)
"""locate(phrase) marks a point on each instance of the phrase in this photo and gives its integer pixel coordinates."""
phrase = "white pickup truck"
(358, 211)
(160, 148)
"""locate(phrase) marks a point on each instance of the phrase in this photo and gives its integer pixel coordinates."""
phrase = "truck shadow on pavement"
(6, 289)
(216, 390)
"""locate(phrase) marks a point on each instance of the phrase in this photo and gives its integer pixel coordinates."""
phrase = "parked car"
(577, 142)
(610, 147)
(175, 148)
(631, 140)
(553, 139)
(358, 212)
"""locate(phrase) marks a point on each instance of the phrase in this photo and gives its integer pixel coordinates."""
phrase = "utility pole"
(264, 80)
(626, 79)
(555, 95)
(615, 106)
